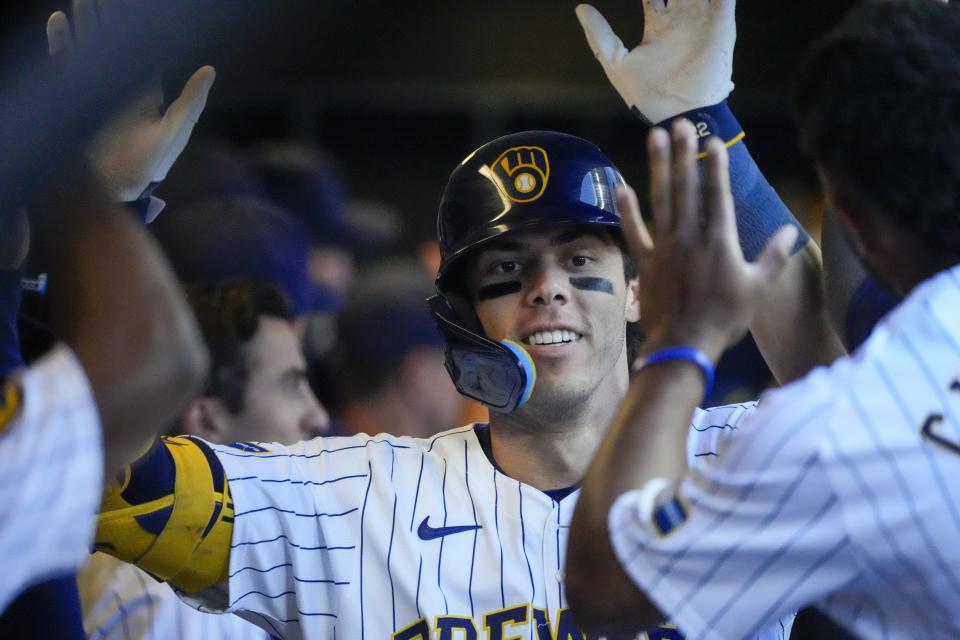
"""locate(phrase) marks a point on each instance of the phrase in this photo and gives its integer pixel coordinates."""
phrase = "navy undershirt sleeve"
(760, 211)
(10, 293)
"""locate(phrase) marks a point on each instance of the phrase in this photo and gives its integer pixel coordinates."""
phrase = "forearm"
(647, 440)
(791, 328)
(10, 357)
(116, 304)
(14, 243)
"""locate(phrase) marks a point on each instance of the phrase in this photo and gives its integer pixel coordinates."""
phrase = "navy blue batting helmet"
(520, 181)
(523, 180)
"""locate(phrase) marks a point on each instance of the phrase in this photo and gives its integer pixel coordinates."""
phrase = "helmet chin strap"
(499, 375)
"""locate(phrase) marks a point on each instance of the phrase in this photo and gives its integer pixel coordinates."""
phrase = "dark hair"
(229, 315)
(877, 103)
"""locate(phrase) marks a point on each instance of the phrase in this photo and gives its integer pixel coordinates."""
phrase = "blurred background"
(351, 115)
(397, 93)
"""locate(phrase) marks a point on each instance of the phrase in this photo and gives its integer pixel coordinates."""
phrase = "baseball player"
(837, 491)
(462, 534)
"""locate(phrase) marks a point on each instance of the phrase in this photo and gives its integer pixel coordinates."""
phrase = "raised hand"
(684, 61)
(139, 145)
(697, 290)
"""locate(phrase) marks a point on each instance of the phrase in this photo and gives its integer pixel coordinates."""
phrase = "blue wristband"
(695, 356)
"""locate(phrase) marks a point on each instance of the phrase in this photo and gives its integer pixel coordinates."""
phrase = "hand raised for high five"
(138, 146)
(697, 290)
(683, 62)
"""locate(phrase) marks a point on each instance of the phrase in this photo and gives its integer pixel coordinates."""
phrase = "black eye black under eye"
(592, 284)
(498, 289)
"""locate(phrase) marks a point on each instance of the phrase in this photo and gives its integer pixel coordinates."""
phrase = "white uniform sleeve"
(750, 535)
(52, 474)
(297, 528)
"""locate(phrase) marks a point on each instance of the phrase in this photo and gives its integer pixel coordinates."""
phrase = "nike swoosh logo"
(426, 532)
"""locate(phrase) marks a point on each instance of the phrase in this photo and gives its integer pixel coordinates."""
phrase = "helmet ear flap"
(500, 375)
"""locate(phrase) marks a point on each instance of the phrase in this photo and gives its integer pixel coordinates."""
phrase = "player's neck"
(553, 452)
(552, 461)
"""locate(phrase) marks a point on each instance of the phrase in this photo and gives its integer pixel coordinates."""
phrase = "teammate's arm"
(699, 292)
(129, 327)
(683, 68)
(115, 303)
(14, 242)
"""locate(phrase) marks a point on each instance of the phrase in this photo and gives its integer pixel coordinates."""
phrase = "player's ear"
(632, 311)
(207, 418)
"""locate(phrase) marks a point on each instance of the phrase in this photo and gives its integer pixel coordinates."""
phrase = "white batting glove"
(684, 61)
(136, 147)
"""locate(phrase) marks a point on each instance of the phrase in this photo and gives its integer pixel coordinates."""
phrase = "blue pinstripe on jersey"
(455, 432)
(443, 494)
(559, 582)
(336, 583)
(932, 549)
(932, 459)
(308, 456)
(150, 603)
(821, 561)
(363, 512)
(768, 519)
(947, 336)
(759, 572)
(523, 538)
(496, 522)
(416, 495)
(745, 493)
(417, 597)
(891, 576)
(393, 526)
(283, 536)
(476, 532)
(296, 513)
(261, 593)
(935, 384)
(120, 616)
(259, 570)
(306, 483)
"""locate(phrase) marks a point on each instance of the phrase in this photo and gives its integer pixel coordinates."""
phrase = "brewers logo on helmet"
(522, 173)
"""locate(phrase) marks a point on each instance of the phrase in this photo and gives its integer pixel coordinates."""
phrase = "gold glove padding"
(171, 514)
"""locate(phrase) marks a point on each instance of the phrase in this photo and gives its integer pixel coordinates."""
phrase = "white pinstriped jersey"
(841, 490)
(122, 602)
(52, 473)
(387, 537)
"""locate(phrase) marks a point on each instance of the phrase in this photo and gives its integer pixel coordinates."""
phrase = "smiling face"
(562, 294)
